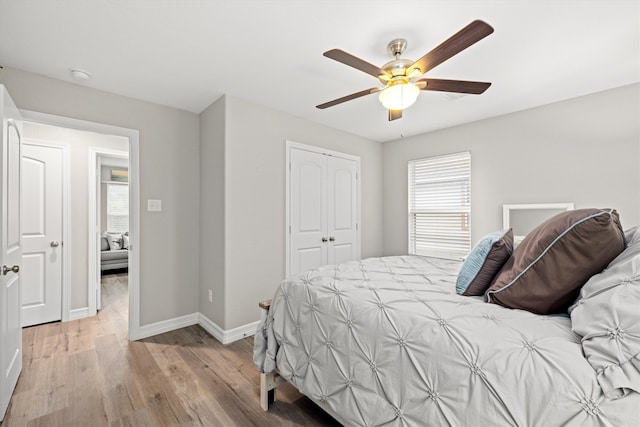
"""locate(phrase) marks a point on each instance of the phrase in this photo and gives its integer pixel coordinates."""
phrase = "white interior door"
(10, 251)
(308, 207)
(342, 210)
(42, 249)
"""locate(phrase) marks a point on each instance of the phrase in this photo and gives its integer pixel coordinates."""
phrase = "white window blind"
(118, 208)
(440, 206)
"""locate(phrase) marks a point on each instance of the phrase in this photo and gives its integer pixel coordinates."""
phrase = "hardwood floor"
(86, 373)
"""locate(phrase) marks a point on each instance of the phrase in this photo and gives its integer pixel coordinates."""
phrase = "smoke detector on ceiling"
(80, 75)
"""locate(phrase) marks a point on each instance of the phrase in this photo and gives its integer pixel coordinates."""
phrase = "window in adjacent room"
(118, 208)
(440, 206)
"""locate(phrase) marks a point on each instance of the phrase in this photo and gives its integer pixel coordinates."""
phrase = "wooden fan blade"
(472, 33)
(347, 98)
(460, 86)
(395, 114)
(355, 62)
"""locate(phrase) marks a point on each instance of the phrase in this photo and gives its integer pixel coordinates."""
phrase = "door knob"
(6, 270)
(324, 239)
(55, 244)
(332, 239)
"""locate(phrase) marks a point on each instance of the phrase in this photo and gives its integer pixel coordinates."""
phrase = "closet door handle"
(6, 270)
(324, 239)
(55, 244)
(332, 239)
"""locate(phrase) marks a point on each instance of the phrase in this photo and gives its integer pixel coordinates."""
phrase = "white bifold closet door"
(323, 203)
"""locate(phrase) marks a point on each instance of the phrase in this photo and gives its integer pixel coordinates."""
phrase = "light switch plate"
(154, 205)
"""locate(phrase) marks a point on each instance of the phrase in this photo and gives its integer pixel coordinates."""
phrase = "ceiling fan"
(399, 76)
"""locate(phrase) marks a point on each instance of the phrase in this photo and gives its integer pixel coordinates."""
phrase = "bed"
(388, 341)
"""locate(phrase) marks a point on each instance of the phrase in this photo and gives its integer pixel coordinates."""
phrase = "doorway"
(83, 296)
(110, 195)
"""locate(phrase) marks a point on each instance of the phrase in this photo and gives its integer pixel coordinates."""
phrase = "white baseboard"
(78, 313)
(146, 331)
(228, 336)
(163, 326)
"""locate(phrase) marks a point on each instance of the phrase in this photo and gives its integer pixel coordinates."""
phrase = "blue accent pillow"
(484, 262)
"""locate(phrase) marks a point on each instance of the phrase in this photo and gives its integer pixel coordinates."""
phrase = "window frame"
(110, 225)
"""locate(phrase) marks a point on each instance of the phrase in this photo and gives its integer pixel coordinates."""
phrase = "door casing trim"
(134, 203)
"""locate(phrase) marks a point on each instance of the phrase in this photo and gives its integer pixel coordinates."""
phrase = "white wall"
(254, 198)
(584, 150)
(169, 170)
(78, 143)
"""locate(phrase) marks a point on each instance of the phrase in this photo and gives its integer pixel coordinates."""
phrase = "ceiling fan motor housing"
(396, 68)
(397, 46)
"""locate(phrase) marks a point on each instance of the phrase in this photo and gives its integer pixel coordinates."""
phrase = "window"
(118, 208)
(440, 206)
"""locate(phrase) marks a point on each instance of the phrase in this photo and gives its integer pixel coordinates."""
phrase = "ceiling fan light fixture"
(399, 96)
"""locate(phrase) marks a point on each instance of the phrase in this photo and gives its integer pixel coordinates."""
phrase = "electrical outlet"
(154, 205)
(210, 295)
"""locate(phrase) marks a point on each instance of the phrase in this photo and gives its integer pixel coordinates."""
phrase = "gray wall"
(254, 197)
(221, 179)
(212, 209)
(584, 150)
(78, 143)
(169, 170)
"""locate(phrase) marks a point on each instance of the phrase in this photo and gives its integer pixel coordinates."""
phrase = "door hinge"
(289, 166)
(289, 229)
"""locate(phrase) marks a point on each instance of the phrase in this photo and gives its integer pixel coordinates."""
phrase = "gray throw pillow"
(104, 244)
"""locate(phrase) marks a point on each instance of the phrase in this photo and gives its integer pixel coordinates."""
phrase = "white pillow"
(115, 241)
(125, 242)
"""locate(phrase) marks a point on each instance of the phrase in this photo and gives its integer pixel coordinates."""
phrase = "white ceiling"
(187, 53)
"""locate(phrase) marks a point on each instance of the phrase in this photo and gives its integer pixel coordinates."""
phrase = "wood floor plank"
(50, 389)
(86, 373)
(139, 418)
(164, 406)
(117, 402)
(190, 389)
(81, 334)
(217, 387)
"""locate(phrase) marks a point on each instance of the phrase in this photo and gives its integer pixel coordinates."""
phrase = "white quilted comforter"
(387, 341)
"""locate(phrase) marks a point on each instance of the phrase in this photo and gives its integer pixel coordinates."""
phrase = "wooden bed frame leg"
(268, 384)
